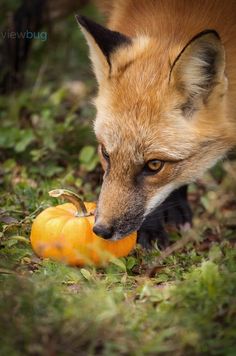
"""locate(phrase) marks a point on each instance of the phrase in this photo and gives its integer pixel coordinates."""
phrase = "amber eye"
(104, 153)
(153, 166)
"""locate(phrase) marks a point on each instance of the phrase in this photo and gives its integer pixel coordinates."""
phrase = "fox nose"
(104, 231)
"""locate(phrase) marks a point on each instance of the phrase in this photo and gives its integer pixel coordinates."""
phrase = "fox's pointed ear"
(102, 43)
(199, 67)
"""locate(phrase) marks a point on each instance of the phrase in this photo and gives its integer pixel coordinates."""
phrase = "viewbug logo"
(42, 36)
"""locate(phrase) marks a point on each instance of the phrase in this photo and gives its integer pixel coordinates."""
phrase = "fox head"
(160, 119)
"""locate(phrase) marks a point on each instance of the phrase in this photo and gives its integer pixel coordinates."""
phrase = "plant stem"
(73, 198)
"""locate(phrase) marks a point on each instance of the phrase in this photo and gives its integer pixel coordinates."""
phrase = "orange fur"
(138, 105)
(174, 22)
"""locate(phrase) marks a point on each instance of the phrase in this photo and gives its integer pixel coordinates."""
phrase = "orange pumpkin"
(64, 233)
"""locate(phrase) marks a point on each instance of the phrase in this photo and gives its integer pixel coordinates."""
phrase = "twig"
(23, 221)
(20, 238)
(6, 271)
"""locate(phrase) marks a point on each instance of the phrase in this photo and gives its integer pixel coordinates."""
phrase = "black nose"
(104, 231)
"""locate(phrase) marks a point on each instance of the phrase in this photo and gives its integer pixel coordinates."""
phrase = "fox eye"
(104, 153)
(153, 166)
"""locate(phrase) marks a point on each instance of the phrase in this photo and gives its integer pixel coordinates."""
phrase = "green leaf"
(86, 154)
(131, 262)
(215, 253)
(52, 170)
(90, 166)
(86, 274)
(57, 97)
(9, 164)
(119, 263)
(27, 139)
(9, 136)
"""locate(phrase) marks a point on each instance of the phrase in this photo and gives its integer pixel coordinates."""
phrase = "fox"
(166, 102)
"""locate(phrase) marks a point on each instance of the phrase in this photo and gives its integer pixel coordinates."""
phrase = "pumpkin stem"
(73, 198)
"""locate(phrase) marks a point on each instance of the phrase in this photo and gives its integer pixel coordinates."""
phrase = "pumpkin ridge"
(56, 218)
(65, 226)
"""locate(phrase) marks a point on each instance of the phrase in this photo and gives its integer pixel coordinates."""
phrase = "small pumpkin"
(64, 233)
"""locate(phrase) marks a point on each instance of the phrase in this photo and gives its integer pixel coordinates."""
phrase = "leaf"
(51, 170)
(27, 139)
(86, 154)
(131, 262)
(86, 274)
(78, 182)
(205, 203)
(10, 243)
(9, 136)
(119, 263)
(25, 260)
(90, 166)
(162, 278)
(9, 165)
(57, 97)
(37, 154)
(75, 277)
(215, 253)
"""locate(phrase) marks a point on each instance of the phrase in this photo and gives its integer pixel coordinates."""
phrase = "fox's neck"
(178, 20)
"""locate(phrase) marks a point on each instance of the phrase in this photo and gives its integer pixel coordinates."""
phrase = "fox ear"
(102, 43)
(199, 67)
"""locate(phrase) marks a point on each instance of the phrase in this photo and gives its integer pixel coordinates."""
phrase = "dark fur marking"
(122, 69)
(106, 39)
(221, 95)
(207, 143)
(188, 108)
(209, 56)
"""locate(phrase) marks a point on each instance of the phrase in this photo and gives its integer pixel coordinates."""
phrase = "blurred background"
(46, 86)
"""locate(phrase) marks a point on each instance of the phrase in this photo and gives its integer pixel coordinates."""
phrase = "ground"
(187, 307)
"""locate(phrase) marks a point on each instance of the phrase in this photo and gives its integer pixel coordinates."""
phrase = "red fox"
(166, 104)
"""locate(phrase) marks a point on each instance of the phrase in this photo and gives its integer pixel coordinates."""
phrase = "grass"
(46, 308)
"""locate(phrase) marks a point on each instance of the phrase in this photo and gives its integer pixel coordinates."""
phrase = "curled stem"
(73, 198)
